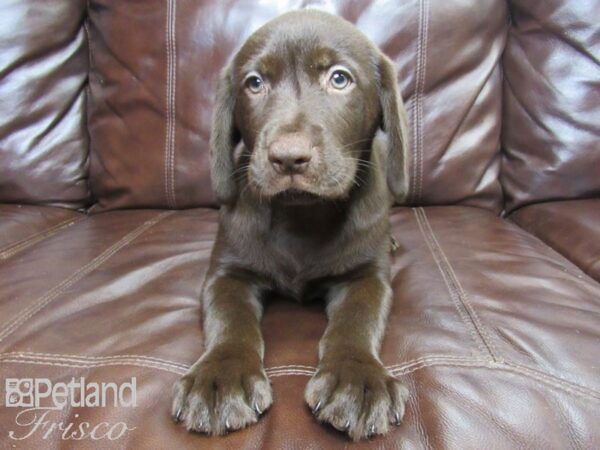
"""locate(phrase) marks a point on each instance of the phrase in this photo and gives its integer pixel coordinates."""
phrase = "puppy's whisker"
(358, 181)
(361, 162)
(355, 142)
(364, 163)
(240, 170)
(339, 183)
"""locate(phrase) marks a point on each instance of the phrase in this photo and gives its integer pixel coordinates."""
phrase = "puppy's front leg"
(352, 390)
(227, 388)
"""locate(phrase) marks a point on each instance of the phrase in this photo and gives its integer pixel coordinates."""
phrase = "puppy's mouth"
(298, 190)
(295, 196)
(307, 188)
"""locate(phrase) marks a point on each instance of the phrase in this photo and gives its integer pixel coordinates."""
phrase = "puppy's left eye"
(255, 83)
(340, 79)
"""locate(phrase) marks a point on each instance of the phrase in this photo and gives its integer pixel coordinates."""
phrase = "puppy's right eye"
(339, 79)
(255, 84)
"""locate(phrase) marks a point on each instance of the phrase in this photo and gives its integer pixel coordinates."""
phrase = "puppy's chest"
(294, 254)
(301, 256)
(296, 265)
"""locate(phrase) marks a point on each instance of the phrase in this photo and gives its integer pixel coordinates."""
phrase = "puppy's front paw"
(357, 396)
(222, 393)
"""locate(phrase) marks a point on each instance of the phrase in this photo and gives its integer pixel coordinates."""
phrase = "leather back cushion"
(551, 134)
(43, 74)
(152, 80)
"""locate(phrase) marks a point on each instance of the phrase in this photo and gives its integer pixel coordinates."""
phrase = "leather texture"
(570, 227)
(495, 322)
(151, 99)
(551, 102)
(43, 79)
(22, 226)
(491, 355)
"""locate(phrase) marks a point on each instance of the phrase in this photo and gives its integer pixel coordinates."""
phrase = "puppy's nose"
(290, 153)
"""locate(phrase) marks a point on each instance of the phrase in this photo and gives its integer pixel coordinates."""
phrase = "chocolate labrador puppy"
(307, 155)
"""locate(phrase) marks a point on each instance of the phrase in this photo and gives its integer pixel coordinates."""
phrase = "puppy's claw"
(317, 407)
(347, 426)
(178, 415)
(372, 430)
(397, 418)
(257, 409)
(394, 246)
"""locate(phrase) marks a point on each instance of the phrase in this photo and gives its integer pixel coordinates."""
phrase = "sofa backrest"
(152, 80)
(43, 76)
(551, 131)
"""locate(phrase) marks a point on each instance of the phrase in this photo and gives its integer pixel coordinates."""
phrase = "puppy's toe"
(319, 390)
(398, 397)
(233, 413)
(356, 397)
(259, 392)
(179, 404)
(219, 396)
(192, 404)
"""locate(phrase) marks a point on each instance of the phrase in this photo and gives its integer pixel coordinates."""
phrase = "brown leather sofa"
(107, 220)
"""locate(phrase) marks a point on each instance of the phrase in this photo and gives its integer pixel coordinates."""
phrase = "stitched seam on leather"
(291, 366)
(286, 374)
(402, 369)
(417, 104)
(174, 100)
(421, 91)
(171, 51)
(21, 245)
(570, 388)
(538, 374)
(424, 359)
(401, 366)
(167, 105)
(463, 297)
(52, 294)
(413, 111)
(468, 323)
(588, 395)
(93, 365)
(133, 361)
(475, 363)
(437, 362)
(83, 359)
(311, 371)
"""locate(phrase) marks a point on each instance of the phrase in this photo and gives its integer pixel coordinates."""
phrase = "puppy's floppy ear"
(223, 139)
(395, 126)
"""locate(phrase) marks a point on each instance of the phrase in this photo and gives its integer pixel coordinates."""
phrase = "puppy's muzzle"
(291, 154)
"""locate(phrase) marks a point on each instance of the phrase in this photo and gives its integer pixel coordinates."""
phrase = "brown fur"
(306, 173)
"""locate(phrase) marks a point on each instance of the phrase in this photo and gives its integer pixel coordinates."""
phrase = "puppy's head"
(297, 111)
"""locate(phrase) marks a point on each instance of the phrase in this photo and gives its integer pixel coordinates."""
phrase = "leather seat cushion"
(570, 227)
(22, 226)
(489, 351)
